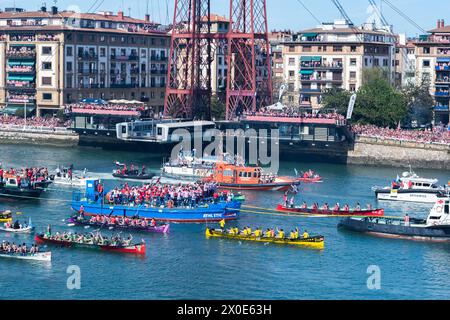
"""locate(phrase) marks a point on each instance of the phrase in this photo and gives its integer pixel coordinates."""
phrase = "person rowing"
(267, 234)
(358, 207)
(325, 206)
(315, 206)
(336, 207)
(346, 208)
(280, 234)
(258, 232)
(304, 205)
(305, 235)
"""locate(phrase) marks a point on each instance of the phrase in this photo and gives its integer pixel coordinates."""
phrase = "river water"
(186, 265)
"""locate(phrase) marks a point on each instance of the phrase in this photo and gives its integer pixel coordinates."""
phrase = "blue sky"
(283, 14)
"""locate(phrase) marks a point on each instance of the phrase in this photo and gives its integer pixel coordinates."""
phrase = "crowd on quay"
(438, 134)
(8, 247)
(7, 120)
(157, 194)
(291, 112)
(111, 106)
(89, 238)
(25, 176)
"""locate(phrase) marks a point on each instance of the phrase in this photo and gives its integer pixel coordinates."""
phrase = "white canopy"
(277, 106)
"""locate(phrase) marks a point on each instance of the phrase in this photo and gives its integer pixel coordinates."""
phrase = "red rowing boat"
(135, 248)
(358, 213)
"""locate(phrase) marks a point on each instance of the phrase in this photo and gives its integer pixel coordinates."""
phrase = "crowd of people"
(11, 247)
(21, 37)
(20, 97)
(47, 37)
(291, 112)
(16, 225)
(18, 83)
(20, 69)
(111, 106)
(89, 238)
(438, 134)
(25, 176)
(21, 52)
(133, 222)
(157, 195)
(6, 120)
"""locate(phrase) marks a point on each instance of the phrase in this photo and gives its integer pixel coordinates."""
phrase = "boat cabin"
(440, 214)
(410, 180)
(12, 181)
(229, 173)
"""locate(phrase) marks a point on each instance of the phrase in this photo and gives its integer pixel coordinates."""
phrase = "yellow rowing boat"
(316, 242)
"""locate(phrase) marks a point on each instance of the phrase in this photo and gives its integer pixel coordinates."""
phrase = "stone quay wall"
(394, 153)
(59, 137)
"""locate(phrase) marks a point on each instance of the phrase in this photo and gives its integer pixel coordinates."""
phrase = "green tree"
(379, 103)
(419, 102)
(217, 108)
(336, 99)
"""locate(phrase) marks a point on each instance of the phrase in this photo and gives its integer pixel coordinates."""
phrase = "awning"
(310, 35)
(316, 58)
(22, 45)
(443, 59)
(305, 59)
(423, 37)
(20, 63)
(18, 110)
(21, 78)
(306, 72)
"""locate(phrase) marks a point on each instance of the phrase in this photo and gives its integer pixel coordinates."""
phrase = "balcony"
(443, 81)
(21, 100)
(320, 80)
(442, 94)
(87, 56)
(442, 68)
(323, 66)
(158, 58)
(124, 58)
(90, 86)
(88, 71)
(441, 108)
(124, 85)
(21, 55)
(310, 91)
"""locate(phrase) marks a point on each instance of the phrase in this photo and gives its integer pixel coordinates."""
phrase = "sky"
(282, 14)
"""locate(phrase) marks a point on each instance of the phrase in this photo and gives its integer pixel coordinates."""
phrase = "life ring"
(170, 204)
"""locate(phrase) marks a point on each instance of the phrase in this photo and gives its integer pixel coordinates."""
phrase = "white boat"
(412, 188)
(38, 256)
(191, 167)
(28, 229)
(78, 179)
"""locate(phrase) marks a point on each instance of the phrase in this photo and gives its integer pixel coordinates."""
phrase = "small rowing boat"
(27, 229)
(92, 222)
(315, 242)
(330, 212)
(123, 172)
(38, 256)
(133, 248)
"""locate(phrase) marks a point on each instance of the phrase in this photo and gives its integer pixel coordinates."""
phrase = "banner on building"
(351, 105)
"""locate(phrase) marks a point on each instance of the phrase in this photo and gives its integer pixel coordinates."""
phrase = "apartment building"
(334, 55)
(405, 62)
(433, 62)
(277, 40)
(52, 58)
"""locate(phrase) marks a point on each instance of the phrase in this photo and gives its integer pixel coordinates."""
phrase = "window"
(426, 50)
(426, 63)
(291, 74)
(307, 48)
(352, 88)
(46, 81)
(352, 75)
(46, 96)
(291, 49)
(352, 48)
(69, 51)
(353, 62)
(337, 48)
(292, 61)
(46, 66)
(102, 52)
(46, 50)
(69, 66)
(376, 62)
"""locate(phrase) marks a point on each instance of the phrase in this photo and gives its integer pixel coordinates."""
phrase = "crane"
(342, 11)
(379, 13)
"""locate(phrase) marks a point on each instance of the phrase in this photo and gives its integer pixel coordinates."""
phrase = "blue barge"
(94, 204)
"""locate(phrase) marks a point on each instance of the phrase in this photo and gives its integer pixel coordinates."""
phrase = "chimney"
(120, 15)
(54, 10)
(44, 9)
(147, 18)
(442, 23)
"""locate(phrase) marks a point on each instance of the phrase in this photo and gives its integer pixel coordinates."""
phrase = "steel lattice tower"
(188, 89)
(249, 84)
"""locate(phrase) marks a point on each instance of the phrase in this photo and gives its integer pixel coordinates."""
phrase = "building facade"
(433, 63)
(334, 55)
(54, 58)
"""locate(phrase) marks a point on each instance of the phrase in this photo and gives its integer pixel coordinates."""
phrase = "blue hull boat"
(211, 212)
